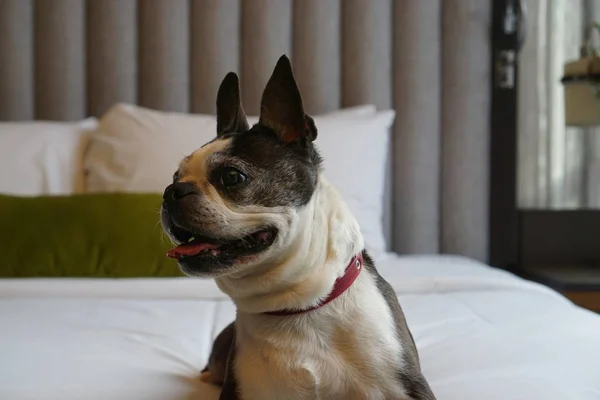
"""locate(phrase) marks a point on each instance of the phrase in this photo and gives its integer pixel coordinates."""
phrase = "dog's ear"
(281, 106)
(230, 113)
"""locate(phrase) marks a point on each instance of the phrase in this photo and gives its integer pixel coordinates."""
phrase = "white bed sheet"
(481, 333)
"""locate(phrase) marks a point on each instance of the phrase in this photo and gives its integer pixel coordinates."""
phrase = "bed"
(481, 333)
(100, 99)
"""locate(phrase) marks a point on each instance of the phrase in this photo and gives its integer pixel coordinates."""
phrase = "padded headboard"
(429, 59)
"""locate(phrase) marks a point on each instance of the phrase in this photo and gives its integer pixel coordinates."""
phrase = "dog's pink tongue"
(190, 249)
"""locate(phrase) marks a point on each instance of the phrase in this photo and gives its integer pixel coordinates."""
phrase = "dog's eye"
(175, 176)
(232, 177)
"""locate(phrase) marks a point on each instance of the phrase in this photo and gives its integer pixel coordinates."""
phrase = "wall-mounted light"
(582, 84)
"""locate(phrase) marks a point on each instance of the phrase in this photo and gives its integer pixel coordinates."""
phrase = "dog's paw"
(207, 376)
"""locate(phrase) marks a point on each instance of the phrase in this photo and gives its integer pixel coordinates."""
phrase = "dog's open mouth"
(205, 247)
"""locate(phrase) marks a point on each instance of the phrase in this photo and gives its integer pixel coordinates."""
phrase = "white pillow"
(355, 151)
(43, 157)
(137, 150)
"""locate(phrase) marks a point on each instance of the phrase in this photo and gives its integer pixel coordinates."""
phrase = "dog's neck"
(323, 238)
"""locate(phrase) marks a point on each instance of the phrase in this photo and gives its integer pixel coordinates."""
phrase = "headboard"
(428, 59)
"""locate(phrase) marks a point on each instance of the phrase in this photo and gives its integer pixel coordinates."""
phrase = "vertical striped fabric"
(317, 53)
(428, 59)
(59, 43)
(16, 60)
(266, 35)
(112, 54)
(465, 140)
(417, 100)
(164, 54)
(215, 44)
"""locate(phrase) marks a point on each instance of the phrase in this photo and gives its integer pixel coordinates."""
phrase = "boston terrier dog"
(252, 210)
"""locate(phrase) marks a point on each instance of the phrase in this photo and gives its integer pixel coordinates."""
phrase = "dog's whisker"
(157, 210)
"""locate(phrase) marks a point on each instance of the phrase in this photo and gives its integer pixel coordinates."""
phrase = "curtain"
(559, 166)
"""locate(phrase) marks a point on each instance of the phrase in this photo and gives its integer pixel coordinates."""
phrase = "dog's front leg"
(215, 369)
(230, 390)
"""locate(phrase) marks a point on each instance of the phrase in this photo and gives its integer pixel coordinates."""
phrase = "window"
(545, 176)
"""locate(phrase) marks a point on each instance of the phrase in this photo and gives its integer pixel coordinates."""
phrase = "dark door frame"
(504, 218)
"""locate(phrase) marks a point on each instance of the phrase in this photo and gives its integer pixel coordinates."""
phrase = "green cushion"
(114, 235)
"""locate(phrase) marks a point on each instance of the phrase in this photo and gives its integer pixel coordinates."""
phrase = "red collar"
(340, 286)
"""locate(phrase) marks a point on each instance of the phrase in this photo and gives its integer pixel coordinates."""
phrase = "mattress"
(481, 333)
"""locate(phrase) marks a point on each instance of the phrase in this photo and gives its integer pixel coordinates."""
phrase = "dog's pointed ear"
(281, 106)
(230, 113)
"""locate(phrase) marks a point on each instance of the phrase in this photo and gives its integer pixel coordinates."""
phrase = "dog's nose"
(179, 190)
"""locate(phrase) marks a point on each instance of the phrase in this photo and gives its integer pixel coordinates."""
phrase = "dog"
(252, 210)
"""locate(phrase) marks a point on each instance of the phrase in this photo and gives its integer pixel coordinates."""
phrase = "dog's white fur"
(347, 350)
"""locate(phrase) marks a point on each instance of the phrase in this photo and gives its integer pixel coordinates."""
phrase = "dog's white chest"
(355, 357)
